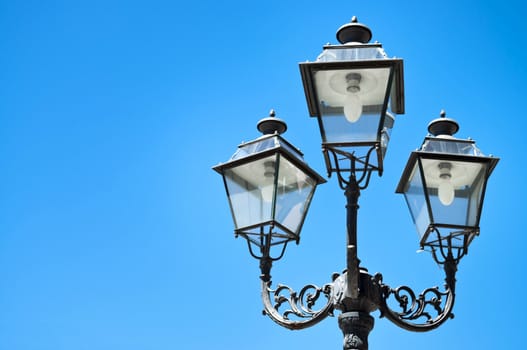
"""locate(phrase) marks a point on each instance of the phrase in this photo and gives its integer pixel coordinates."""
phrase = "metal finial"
(443, 125)
(272, 124)
(354, 32)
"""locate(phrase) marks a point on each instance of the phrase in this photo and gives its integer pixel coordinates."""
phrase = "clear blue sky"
(116, 234)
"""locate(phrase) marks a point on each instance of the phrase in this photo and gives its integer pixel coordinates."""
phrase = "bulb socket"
(269, 168)
(353, 81)
(444, 170)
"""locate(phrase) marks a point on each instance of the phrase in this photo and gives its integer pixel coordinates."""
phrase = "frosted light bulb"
(267, 189)
(446, 192)
(352, 108)
(267, 192)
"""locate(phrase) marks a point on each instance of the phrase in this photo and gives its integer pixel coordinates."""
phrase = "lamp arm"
(298, 305)
(424, 312)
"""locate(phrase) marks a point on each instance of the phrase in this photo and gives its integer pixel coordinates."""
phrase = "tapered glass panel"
(414, 193)
(455, 190)
(250, 188)
(269, 189)
(293, 195)
(351, 103)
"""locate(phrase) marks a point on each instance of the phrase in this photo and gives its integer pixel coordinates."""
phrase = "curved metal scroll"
(360, 168)
(420, 313)
(298, 305)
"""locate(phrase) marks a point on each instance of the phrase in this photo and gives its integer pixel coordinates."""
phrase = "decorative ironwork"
(420, 313)
(294, 310)
(355, 327)
(356, 293)
(357, 165)
(445, 247)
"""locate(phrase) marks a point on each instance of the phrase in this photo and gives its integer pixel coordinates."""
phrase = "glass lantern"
(444, 186)
(354, 90)
(269, 187)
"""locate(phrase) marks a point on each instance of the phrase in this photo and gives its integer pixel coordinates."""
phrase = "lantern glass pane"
(347, 53)
(338, 130)
(338, 88)
(414, 193)
(250, 188)
(455, 189)
(351, 104)
(293, 195)
(451, 145)
(269, 189)
(354, 114)
(265, 143)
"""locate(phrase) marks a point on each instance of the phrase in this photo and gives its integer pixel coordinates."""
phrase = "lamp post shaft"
(355, 327)
(352, 194)
(355, 321)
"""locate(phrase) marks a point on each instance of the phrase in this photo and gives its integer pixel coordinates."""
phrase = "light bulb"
(352, 108)
(267, 192)
(267, 188)
(446, 192)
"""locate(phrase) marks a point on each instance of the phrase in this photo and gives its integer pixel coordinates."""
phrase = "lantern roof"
(270, 142)
(354, 53)
(354, 32)
(443, 141)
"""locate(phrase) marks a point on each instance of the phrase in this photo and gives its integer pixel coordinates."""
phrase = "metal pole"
(355, 326)
(355, 321)
(352, 194)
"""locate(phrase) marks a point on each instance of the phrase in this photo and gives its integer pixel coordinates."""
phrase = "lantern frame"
(269, 231)
(322, 81)
(434, 220)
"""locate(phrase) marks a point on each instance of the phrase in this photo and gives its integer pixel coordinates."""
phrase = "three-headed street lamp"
(355, 91)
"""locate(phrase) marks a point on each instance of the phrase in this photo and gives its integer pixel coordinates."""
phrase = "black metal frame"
(395, 83)
(261, 238)
(468, 232)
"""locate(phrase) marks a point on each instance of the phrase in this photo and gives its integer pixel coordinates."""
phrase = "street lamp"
(269, 187)
(354, 90)
(444, 185)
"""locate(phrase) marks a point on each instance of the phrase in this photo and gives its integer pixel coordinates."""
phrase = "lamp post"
(355, 90)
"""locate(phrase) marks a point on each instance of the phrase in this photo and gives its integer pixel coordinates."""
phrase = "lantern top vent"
(272, 124)
(354, 32)
(443, 126)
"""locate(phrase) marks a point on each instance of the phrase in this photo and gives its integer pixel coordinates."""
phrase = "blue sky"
(116, 234)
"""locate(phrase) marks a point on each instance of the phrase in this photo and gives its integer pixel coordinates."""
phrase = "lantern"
(444, 186)
(354, 90)
(269, 187)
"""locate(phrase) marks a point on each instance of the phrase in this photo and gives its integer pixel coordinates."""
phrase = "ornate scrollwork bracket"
(294, 310)
(401, 305)
(423, 312)
(356, 293)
